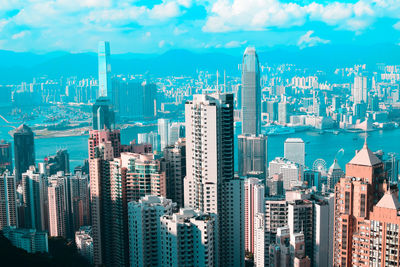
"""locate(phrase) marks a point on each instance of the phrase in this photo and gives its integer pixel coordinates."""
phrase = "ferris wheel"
(319, 165)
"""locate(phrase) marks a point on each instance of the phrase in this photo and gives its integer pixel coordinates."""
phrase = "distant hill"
(17, 67)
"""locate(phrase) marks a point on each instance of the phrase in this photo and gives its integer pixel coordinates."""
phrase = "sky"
(155, 26)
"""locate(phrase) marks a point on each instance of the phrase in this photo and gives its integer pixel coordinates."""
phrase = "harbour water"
(318, 146)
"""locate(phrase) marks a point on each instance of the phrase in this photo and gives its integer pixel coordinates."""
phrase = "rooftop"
(335, 166)
(294, 140)
(23, 129)
(365, 157)
(389, 201)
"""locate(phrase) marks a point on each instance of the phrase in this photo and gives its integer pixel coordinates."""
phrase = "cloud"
(307, 40)
(239, 15)
(62, 24)
(179, 31)
(396, 25)
(3, 23)
(234, 44)
(20, 35)
(161, 43)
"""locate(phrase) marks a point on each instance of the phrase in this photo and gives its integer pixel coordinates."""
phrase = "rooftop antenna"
(365, 139)
(217, 82)
(224, 81)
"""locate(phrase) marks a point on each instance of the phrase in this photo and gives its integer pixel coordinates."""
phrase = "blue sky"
(154, 26)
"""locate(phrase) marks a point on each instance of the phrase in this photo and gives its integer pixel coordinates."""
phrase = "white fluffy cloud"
(307, 40)
(234, 15)
(20, 35)
(77, 25)
(235, 44)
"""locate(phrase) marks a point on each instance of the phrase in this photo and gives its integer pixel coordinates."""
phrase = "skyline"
(158, 26)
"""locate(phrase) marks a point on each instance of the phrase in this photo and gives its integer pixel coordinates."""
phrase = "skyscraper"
(210, 185)
(8, 201)
(291, 172)
(252, 154)
(105, 86)
(144, 229)
(254, 194)
(103, 116)
(163, 130)
(34, 186)
(323, 227)
(334, 174)
(189, 229)
(176, 131)
(57, 208)
(150, 138)
(57, 162)
(251, 93)
(359, 91)
(300, 219)
(103, 147)
(283, 112)
(272, 110)
(84, 243)
(266, 227)
(295, 150)
(175, 157)
(79, 198)
(24, 150)
(5, 156)
(149, 100)
(367, 220)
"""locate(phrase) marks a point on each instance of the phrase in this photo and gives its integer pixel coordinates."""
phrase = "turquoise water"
(324, 146)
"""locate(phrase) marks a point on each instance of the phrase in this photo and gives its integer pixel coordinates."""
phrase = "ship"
(278, 130)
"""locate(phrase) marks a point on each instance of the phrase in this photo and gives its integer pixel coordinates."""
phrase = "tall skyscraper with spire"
(105, 87)
(251, 93)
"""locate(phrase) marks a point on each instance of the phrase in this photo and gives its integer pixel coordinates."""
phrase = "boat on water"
(278, 130)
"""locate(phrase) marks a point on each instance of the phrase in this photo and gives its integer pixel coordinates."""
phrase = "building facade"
(8, 201)
(210, 185)
(252, 155)
(24, 150)
(251, 93)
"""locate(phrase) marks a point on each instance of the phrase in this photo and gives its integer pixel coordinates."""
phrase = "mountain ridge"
(16, 67)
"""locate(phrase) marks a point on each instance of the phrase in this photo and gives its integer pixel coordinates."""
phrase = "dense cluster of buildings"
(173, 198)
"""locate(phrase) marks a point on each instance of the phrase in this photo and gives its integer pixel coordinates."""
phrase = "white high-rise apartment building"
(57, 207)
(295, 150)
(84, 242)
(254, 193)
(266, 226)
(188, 238)
(144, 229)
(210, 185)
(360, 90)
(291, 172)
(163, 130)
(176, 131)
(323, 227)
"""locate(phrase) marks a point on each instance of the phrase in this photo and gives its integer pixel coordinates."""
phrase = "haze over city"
(199, 133)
